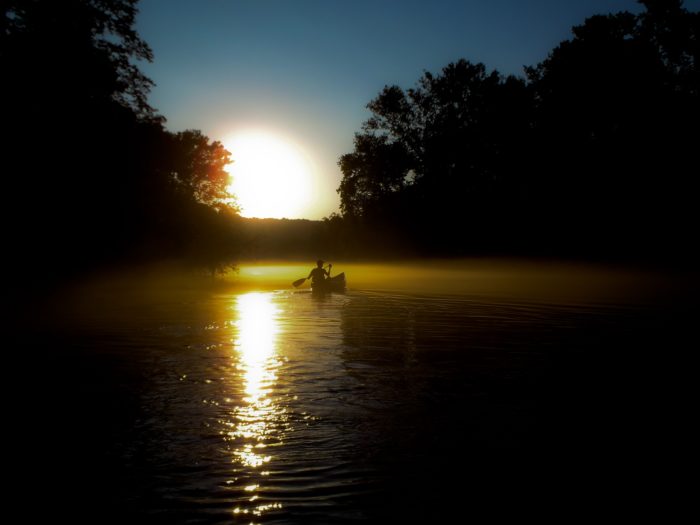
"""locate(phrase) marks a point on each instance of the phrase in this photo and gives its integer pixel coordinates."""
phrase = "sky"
(304, 70)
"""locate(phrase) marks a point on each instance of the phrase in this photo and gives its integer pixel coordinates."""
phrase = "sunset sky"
(299, 72)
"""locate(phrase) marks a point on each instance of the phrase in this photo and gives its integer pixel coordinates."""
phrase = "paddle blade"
(298, 282)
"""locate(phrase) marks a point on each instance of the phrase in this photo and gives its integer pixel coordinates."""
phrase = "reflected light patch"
(256, 343)
(270, 176)
(255, 423)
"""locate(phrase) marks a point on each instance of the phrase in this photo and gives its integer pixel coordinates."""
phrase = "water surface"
(421, 393)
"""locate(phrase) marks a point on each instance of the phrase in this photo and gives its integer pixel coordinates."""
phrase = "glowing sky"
(305, 69)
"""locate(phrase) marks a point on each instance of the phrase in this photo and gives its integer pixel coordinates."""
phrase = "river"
(424, 393)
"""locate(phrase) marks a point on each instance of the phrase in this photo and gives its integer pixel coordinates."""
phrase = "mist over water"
(426, 390)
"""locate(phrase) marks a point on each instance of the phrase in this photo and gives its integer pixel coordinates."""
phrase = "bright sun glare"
(271, 177)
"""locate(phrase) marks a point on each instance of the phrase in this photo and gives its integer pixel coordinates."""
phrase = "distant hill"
(332, 238)
(282, 239)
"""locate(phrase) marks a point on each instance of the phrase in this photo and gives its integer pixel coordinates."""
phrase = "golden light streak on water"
(257, 420)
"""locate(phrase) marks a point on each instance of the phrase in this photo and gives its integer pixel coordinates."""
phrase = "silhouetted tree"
(73, 105)
(616, 121)
(194, 213)
(197, 167)
(442, 153)
(376, 169)
(90, 175)
(73, 51)
(588, 155)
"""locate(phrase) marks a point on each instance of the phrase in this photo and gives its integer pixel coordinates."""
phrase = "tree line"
(90, 174)
(592, 153)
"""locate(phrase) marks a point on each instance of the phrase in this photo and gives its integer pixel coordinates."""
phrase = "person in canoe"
(319, 274)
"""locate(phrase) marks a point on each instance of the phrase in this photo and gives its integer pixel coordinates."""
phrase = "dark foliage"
(90, 175)
(591, 154)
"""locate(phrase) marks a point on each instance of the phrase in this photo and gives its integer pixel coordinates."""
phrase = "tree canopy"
(74, 52)
(91, 175)
(587, 153)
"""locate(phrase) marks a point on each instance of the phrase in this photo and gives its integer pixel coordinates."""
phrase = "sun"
(271, 177)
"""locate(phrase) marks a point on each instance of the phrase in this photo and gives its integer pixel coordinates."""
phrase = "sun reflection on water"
(258, 419)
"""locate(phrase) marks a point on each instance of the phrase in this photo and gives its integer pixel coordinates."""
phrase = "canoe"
(332, 284)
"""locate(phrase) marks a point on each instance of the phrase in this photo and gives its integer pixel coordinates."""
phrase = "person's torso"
(318, 274)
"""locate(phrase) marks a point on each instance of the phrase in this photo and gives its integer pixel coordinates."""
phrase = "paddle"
(299, 282)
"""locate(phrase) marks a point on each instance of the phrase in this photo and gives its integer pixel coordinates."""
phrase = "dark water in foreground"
(277, 406)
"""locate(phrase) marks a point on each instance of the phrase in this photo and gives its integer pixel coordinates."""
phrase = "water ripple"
(285, 408)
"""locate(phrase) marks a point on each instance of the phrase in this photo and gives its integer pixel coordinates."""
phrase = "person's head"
(319, 263)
